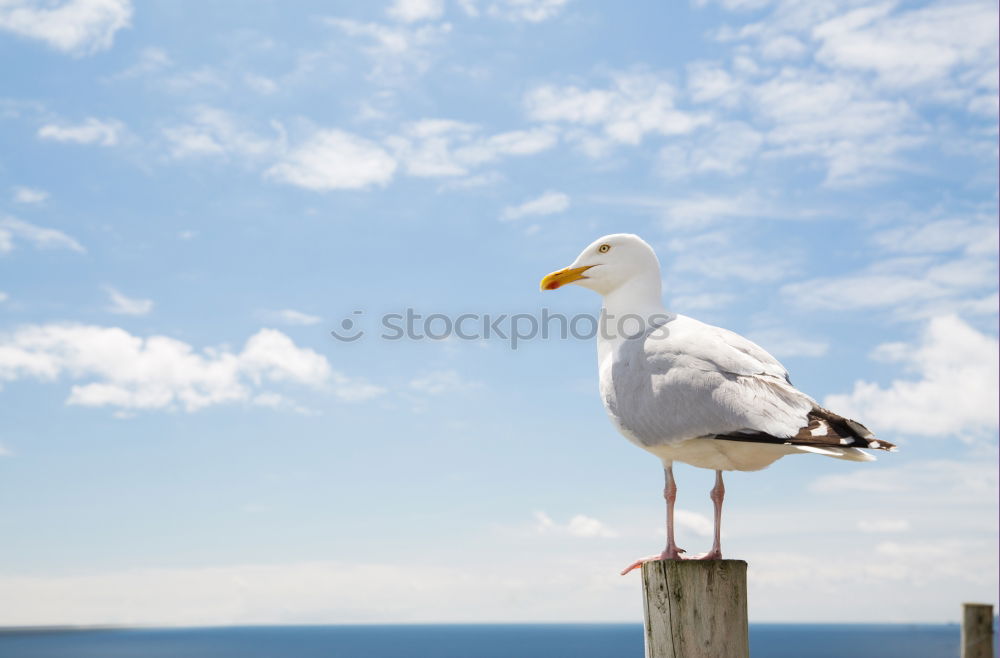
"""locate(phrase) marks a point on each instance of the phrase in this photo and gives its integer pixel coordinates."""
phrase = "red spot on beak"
(553, 285)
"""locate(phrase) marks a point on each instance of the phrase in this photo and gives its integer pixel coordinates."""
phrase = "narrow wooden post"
(977, 630)
(695, 608)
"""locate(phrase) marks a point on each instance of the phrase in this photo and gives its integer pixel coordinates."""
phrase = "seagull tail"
(850, 454)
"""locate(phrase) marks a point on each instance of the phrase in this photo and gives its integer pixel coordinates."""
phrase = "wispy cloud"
(292, 317)
(29, 195)
(214, 132)
(79, 27)
(925, 481)
(398, 52)
(698, 524)
(531, 11)
(103, 132)
(783, 343)
(881, 526)
(549, 203)
(12, 229)
(633, 106)
(726, 149)
(150, 60)
(579, 525)
(845, 85)
(440, 382)
(432, 148)
(409, 11)
(910, 47)
(122, 305)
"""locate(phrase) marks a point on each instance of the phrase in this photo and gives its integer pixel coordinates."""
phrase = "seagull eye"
(604, 248)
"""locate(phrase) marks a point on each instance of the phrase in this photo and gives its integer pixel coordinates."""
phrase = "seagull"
(690, 392)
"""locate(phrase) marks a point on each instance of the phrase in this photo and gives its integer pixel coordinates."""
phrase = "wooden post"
(695, 608)
(977, 630)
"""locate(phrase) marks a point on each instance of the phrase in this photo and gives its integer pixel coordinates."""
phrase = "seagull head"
(609, 263)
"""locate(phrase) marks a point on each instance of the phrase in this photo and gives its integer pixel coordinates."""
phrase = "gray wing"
(687, 379)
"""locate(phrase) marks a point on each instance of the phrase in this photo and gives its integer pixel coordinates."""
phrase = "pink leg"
(717, 494)
(671, 552)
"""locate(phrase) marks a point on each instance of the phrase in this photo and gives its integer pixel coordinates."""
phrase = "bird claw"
(711, 555)
(675, 554)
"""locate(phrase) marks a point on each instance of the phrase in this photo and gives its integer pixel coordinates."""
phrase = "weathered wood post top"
(695, 608)
(977, 630)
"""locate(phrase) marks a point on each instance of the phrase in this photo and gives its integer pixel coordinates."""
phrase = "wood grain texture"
(695, 608)
(977, 630)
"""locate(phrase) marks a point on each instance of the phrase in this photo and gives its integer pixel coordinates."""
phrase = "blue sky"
(192, 195)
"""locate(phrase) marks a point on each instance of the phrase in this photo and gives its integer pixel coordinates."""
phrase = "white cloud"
(726, 151)
(944, 266)
(443, 147)
(708, 82)
(532, 11)
(3, 296)
(837, 119)
(579, 525)
(427, 147)
(440, 382)
(632, 107)
(349, 389)
(784, 343)
(782, 47)
(129, 372)
(953, 393)
(29, 195)
(957, 483)
(260, 84)
(701, 301)
(697, 523)
(883, 525)
(549, 203)
(79, 27)
(41, 237)
(103, 132)
(292, 317)
(186, 82)
(410, 11)
(912, 287)
(151, 60)
(350, 591)
(703, 210)
(893, 577)
(472, 182)
(925, 44)
(334, 159)
(696, 253)
(398, 52)
(122, 305)
(975, 236)
(214, 132)
(805, 71)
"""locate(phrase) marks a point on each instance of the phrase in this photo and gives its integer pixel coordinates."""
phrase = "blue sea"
(465, 641)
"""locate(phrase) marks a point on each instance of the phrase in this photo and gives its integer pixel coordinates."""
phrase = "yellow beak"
(563, 276)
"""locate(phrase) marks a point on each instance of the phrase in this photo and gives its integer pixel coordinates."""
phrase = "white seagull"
(690, 392)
